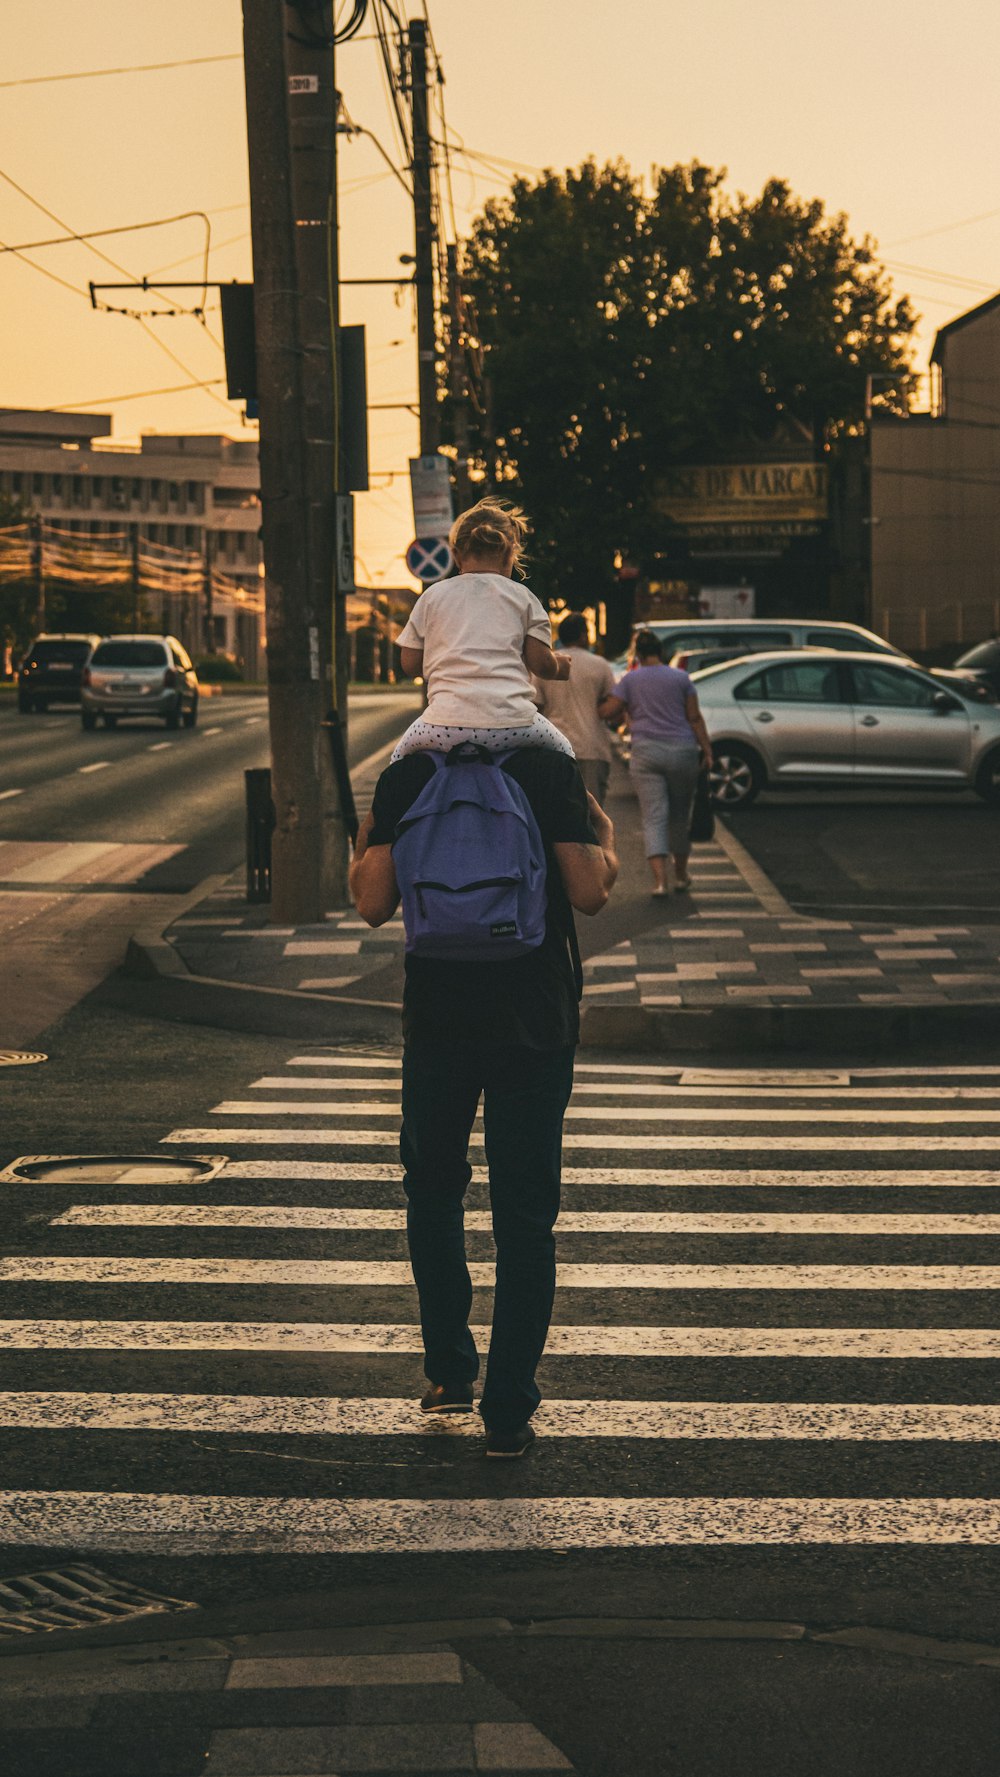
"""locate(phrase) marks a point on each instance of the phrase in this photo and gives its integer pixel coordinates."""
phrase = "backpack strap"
(574, 955)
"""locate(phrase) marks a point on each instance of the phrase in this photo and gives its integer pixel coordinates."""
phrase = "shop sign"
(710, 494)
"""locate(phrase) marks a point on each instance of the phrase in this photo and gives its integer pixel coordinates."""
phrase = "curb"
(814, 1029)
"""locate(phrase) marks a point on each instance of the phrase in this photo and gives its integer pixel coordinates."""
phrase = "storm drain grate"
(21, 1057)
(74, 1598)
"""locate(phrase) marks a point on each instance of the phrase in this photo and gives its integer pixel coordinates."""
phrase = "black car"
(983, 663)
(52, 669)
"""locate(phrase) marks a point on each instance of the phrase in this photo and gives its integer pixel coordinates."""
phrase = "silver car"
(139, 676)
(829, 717)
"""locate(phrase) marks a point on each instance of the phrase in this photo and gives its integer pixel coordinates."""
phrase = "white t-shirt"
(472, 630)
(571, 704)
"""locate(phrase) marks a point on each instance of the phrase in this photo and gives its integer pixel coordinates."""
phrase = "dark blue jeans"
(525, 1093)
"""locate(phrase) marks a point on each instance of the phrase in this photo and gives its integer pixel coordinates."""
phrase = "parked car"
(139, 676)
(685, 637)
(51, 671)
(828, 717)
(983, 664)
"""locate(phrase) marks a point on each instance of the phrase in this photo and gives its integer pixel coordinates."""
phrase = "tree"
(625, 331)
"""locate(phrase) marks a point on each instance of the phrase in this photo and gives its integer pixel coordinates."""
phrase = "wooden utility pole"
(430, 427)
(291, 124)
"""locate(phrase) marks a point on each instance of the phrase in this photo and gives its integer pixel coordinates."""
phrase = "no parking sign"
(429, 558)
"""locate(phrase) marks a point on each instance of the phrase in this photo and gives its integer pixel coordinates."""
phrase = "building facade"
(188, 504)
(935, 497)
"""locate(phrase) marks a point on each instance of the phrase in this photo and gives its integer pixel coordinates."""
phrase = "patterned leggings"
(432, 737)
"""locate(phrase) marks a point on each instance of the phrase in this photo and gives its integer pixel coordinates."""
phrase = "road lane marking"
(56, 862)
(98, 765)
(682, 1113)
(951, 1094)
(252, 721)
(478, 1221)
(205, 732)
(181, 1524)
(159, 746)
(912, 1344)
(316, 1416)
(732, 1075)
(5, 795)
(334, 1137)
(396, 1274)
(682, 1178)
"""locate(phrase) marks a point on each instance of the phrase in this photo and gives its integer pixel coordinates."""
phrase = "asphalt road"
(326, 1513)
(857, 855)
(102, 832)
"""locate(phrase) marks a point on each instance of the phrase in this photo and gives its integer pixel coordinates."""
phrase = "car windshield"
(134, 654)
(986, 654)
(46, 652)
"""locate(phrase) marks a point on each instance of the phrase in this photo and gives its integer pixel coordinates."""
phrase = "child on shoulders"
(476, 639)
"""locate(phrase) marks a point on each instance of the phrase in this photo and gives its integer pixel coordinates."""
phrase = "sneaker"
(509, 1444)
(443, 1397)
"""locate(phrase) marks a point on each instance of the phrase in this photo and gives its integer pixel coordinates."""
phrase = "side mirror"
(942, 702)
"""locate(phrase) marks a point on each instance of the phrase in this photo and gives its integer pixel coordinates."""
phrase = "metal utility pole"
(430, 427)
(291, 121)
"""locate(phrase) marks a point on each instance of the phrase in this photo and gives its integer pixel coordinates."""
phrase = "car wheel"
(987, 784)
(737, 775)
(191, 715)
(173, 719)
(89, 720)
(110, 721)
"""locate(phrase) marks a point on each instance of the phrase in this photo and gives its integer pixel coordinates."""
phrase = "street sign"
(345, 542)
(430, 485)
(429, 558)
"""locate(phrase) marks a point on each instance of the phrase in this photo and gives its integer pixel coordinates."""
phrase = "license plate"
(60, 666)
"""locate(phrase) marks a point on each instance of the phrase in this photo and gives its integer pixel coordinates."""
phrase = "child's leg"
(431, 737)
(539, 733)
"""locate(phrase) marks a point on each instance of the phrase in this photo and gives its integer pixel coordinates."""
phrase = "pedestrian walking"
(670, 745)
(571, 704)
(499, 1024)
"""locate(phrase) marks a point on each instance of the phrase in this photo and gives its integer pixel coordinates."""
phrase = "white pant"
(435, 737)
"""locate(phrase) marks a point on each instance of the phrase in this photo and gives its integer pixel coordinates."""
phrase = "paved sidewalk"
(733, 941)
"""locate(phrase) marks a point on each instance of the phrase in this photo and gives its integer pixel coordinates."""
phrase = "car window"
(757, 641)
(46, 652)
(134, 654)
(894, 686)
(794, 681)
(986, 654)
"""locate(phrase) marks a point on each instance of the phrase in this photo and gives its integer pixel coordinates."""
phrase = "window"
(805, 681)
(175, 491)
(97, 487)
(191, 489)
(191, 536)
(136, 489)
(985, 654)
(38, 484)
(844, 639)
(57, 484)
(16, 482)
(893, 685)
(130, 654)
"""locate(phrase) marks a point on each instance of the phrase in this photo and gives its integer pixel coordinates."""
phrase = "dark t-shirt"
(529, 1000)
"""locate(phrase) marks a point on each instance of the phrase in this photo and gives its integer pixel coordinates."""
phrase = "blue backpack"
(470, 863)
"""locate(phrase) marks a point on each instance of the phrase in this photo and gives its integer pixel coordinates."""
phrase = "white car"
(830, 717)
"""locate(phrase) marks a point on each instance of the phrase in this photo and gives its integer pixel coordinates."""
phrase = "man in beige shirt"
(571, 704)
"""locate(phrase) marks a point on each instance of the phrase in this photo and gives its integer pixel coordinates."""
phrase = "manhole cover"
(74, 1598)
(21, 1057)
(112, 1169)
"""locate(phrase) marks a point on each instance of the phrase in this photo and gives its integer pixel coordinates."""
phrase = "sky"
(886, 113)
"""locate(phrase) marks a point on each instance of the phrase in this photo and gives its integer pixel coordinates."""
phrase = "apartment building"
(196, 495)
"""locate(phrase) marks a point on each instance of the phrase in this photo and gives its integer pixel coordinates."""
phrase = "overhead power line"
(137, 395)
(132, 68)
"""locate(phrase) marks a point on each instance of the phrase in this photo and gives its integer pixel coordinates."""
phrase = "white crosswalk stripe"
(656, 1296)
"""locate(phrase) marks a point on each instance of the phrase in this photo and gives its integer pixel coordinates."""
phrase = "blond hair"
(488, 530)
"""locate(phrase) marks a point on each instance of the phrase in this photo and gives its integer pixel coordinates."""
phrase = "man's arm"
(589, 871)
(412, 661)
(374, 888)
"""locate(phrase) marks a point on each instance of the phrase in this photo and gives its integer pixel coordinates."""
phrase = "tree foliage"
(627, 330)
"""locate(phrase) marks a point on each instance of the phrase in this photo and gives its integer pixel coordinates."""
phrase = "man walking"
(504, 1030)
(571, 704)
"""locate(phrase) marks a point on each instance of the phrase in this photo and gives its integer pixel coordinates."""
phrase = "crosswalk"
(742, 1353)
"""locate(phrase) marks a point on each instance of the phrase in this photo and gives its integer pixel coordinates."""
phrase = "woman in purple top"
(670, 744)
